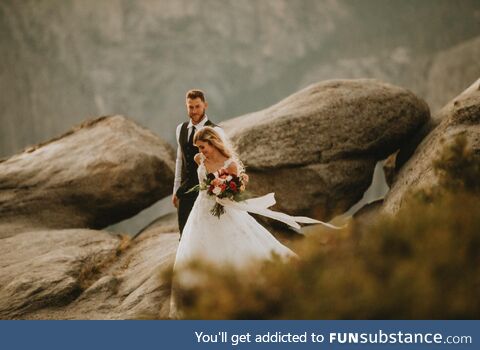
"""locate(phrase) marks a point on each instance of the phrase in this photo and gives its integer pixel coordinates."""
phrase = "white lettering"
(198, 336)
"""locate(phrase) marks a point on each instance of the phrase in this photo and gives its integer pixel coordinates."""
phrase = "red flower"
(233, 187)
(223, 187)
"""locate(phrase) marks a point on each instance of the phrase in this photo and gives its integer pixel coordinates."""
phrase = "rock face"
(134, 286)
(85, 274)
(46, 268)
(164, 224)
(460, 64)
(317, 148)
(460, 116)
(101, 172)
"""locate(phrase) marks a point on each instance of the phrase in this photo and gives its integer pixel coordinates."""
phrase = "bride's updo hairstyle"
(209, 135)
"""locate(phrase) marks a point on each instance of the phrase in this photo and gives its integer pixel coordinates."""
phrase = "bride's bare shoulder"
(232, 168)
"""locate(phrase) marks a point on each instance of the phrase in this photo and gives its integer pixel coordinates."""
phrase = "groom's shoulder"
(179, 129)
(179, 126)
(212, 124)
(219, 129)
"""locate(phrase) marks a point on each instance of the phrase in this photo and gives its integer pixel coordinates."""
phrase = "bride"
(235, 238)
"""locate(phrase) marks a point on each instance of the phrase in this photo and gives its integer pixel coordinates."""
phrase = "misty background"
(63, 61)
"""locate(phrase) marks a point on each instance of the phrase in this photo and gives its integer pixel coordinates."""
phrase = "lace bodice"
(202, 169)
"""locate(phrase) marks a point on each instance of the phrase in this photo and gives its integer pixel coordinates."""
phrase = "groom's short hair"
(195, 93)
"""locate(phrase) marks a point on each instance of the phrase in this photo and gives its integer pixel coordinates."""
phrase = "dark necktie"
(190, 139)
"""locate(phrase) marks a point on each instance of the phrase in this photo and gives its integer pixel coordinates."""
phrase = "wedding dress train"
(235, 238)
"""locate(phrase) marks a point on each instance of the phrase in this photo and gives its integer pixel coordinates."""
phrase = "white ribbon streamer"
(260, 206)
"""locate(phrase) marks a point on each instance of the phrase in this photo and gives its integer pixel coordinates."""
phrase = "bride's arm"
(233, 168)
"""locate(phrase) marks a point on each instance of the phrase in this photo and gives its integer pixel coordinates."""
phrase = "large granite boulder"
(317, 148)
(451, 70)
(462, 65)
(459, 116)
(49, 268)
(97, 174)
(136, 285)
(86, 274)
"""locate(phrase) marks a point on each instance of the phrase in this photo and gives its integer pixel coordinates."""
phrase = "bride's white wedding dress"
(235, 238)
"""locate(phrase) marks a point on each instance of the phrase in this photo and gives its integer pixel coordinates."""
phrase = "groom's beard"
(199, 118)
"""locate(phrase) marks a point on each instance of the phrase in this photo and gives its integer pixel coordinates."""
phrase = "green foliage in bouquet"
(424, 263)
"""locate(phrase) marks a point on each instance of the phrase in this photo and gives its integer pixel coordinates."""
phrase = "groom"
(185, 167)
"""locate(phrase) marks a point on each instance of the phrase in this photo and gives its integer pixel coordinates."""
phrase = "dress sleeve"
(227, 163)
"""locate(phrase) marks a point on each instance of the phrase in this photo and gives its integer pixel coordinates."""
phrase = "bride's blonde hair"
(209, 135)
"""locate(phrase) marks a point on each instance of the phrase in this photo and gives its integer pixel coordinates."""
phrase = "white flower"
(229, 177)
(217, 190)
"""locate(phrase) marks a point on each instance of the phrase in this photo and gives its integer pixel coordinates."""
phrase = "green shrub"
(424, 263)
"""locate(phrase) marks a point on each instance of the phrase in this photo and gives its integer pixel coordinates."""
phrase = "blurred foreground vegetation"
(424, 263)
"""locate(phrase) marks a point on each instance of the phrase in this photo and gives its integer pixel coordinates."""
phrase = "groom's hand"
(175, 201)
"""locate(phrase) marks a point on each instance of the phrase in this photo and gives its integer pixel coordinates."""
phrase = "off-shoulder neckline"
(226, 163)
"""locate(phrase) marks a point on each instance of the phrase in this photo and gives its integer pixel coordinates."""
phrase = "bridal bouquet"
(224, 185)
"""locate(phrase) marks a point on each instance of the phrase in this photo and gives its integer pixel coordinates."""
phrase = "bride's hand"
(175, 201)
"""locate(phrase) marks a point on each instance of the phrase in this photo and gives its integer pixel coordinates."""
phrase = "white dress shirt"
(178, 163)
